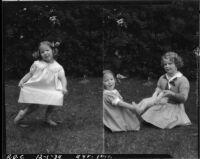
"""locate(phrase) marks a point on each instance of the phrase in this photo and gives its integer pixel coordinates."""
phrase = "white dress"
(43, 87)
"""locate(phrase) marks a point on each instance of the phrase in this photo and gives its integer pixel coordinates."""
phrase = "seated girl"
(118, 115)
(165, 109)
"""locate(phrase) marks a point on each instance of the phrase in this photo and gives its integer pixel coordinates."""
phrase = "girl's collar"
(178, 74)
(171, 80)
(48, 62)
(110, 91)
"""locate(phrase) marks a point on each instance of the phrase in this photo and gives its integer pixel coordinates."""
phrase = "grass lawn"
(82, 129)
(80, 132)
(180, 142)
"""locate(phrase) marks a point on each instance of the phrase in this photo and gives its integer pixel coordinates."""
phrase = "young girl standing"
(45, 84)
(165, 109)
(117, 114)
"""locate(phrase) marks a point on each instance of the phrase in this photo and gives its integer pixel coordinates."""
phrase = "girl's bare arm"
(128, 105)
(63, 80)
(25, 78)
(179, 97)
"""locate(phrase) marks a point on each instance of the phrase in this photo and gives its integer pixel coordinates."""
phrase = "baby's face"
(46, 53)
(109, 81)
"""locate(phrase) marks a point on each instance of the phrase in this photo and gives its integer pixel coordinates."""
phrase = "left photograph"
(52, 77)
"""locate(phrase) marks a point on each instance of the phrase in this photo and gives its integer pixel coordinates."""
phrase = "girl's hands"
(65, 91)
(137, 108)
(133, 103)
(168, 93)
(21, 84)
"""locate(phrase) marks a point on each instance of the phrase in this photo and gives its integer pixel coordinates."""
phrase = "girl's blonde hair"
(173, 57)
(53, 46)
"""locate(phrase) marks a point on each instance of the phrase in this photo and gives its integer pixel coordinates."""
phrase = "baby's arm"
(63, 80)
(24, 79)
(28, 75)
(157, 92)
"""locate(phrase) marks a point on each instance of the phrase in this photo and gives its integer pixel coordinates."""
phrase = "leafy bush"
(148, 31)
(128, 39)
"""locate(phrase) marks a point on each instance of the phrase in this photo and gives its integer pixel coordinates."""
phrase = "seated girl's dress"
(118, 118)
(43, 87)
(171, 113)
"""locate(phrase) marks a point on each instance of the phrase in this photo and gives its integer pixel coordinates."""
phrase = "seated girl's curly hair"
(52, 45)
(174, 57)
(107, 71)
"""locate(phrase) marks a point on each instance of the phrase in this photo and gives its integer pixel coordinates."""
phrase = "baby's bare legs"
(48, 119)
(31, 108)
(161, 95)
(146, 103)
(22, 113)
(149, 102)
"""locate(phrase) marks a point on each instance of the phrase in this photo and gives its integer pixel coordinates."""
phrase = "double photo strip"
(100, 79)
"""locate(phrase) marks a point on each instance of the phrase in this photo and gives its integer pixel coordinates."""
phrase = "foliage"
(129, 39)
(78, 28)
(146, 32)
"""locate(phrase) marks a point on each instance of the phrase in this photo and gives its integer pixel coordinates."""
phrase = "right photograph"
(150, 78)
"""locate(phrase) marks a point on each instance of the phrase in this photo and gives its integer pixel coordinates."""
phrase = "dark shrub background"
(92, 40)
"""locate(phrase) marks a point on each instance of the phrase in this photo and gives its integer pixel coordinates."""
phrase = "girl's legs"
(48, 119)
(22, 113)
